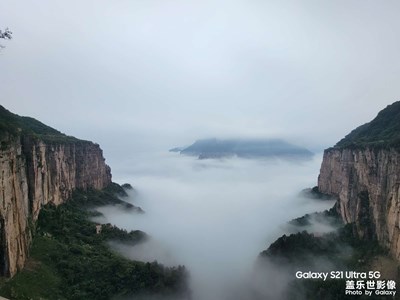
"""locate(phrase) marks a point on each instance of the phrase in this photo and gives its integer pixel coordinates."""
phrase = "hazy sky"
(132, 74)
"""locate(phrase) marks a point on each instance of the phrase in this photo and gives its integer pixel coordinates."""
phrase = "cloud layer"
(214, 217)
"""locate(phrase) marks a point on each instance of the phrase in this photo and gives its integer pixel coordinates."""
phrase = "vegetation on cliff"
(303, 247)
(383, 131)
(70, 260)
(315, 193)
(15, 125)
(329, 217)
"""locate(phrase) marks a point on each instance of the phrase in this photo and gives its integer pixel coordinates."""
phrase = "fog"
(139, 77)
(213, 216)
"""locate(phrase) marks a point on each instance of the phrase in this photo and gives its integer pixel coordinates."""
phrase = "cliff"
(38, 165)
(363, 172)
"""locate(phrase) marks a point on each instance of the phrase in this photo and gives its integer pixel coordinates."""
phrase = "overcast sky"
(133, 74)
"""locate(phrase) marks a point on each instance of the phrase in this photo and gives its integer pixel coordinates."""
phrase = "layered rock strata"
(366, 182)
(34, 173)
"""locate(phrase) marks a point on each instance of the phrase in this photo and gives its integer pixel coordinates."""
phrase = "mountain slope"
(383, 131)
(247, 148)
(15, 125)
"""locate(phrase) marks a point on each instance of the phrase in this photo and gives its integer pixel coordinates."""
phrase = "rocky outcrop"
(366, 182)
(34, 173)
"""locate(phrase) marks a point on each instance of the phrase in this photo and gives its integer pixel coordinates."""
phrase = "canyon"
(40, 165)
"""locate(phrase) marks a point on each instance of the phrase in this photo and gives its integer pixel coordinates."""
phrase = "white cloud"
(213, 216)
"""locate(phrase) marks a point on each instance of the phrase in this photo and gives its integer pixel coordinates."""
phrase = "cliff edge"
(38, 165)
(363, 172)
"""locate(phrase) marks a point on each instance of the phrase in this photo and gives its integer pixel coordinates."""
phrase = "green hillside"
(383, 131)
(15, 125)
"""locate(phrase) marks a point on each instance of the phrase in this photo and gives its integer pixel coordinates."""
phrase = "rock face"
(34, 173)
(366, 184)
(363, 172)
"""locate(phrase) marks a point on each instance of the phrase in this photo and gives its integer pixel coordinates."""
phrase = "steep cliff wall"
(34, 173)
(363, 172)
(366, 182)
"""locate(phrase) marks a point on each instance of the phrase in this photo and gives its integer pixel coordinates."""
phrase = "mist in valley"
(214, 216)
(140, 76)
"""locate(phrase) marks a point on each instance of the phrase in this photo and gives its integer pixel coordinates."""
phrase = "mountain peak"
(247, 148)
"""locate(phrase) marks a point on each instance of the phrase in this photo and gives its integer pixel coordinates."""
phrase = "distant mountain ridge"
(246, 148)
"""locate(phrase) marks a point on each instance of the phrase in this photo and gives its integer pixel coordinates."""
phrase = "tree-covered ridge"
(15, 125)
(337, 251)
(383, 131)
